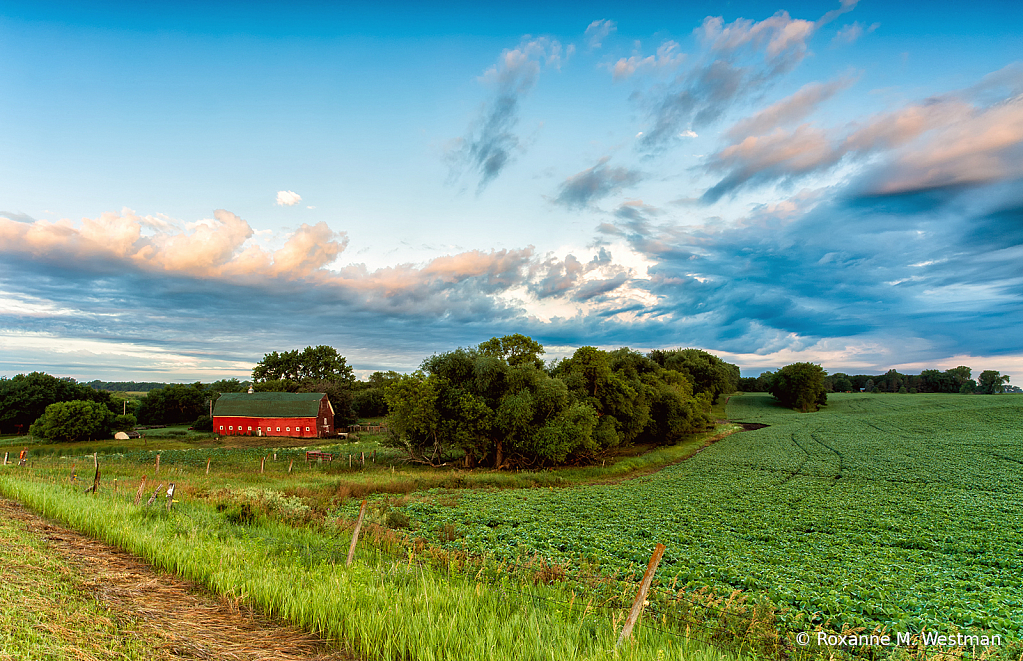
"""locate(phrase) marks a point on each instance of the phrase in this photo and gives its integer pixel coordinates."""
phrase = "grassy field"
(45, 614)
(902, 512)
(274, 539)
(881, 512)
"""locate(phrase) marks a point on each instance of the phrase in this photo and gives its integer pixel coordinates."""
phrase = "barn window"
(231, 427)
(307, 429)
(278, 429)
(221, 427)
(324, 422)
(287, 429)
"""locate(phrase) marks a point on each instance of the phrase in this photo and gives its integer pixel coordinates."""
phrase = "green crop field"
(902, 511)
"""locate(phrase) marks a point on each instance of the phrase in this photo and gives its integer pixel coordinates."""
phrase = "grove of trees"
(497, 404)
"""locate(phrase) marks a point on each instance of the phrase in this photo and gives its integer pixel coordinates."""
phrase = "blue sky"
(185, 188)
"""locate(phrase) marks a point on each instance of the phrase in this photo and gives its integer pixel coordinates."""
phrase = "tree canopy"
(76, 420)
(707, 372)
(800, 386)
(492, 404)
(24, 398)
(321, 363)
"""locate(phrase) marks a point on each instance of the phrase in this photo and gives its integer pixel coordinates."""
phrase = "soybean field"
(899, 511)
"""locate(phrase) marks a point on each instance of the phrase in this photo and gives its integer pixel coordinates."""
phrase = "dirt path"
(176, 615)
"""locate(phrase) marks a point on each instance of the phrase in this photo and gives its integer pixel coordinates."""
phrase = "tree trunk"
(498, 453)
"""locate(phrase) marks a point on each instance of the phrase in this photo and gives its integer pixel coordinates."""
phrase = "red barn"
(301, 414)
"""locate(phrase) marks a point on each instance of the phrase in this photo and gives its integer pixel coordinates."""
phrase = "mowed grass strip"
(378, 608)
(45, 613)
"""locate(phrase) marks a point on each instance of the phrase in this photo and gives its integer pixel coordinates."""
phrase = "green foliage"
(708, 373)
(321, 363)
(516, 350)
(369, 403)
(174, 403)
(382, 607)
(895, 512)
(800, 386)
(24, 398)
(77, 420)
(314, 369)
(991, 382)
(495, 406)
(203, 423)
(124, 422)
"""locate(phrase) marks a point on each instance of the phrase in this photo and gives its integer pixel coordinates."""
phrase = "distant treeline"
(956, 380)
(125, 386)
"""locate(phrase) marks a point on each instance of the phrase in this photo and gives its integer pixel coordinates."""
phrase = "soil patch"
(750, 426)
(180, 617)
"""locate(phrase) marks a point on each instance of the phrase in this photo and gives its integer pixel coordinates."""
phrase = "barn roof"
(269, 404)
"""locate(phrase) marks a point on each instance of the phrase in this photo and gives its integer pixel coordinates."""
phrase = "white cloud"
(597, 32)
(287, 198)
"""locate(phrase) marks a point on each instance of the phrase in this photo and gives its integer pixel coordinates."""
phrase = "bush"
(203, 423)
(396, 519)
(124, 423)
(77, 420)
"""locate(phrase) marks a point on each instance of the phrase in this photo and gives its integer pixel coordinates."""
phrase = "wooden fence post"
(152, 498)
(138, 494)
(262, 464)
(95, 482)
(170, 496)
(363, 459)
(644, 586)
(208, 460)
(275, 456)
(115, 486)
(157, 463)
(355, 535)
(5, 457)
(291, 464)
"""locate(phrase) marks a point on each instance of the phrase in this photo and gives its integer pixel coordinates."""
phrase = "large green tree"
(321, 363)
(991, 382)
(77, 420)
(800, 386)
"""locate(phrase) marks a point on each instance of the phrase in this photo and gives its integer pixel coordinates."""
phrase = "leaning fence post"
(208, 460)
(644, 586)
(291, 464)
(95, 482)
(152, 498)
(138, 494)
(355, 535)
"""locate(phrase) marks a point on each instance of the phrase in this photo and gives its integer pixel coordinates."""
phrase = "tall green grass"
(379, 608)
